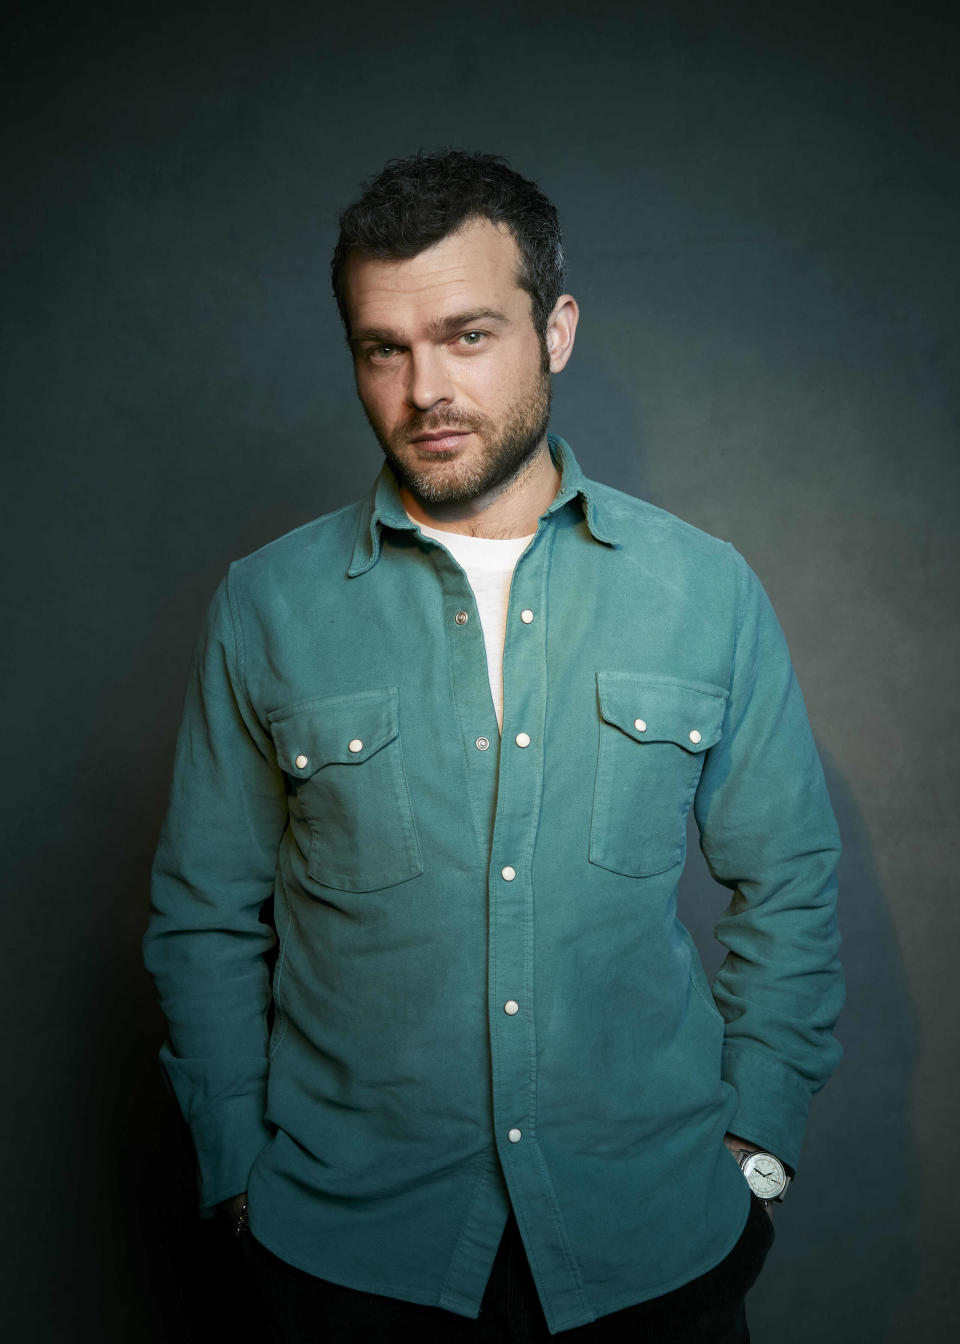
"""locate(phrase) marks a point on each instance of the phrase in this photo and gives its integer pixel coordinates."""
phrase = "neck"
(511, 511)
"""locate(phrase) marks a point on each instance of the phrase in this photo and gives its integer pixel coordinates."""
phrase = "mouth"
(441, 440)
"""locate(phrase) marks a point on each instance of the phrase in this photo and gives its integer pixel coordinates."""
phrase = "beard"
(501, 454)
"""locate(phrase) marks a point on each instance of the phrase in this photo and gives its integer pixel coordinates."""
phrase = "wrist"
(764, 1173)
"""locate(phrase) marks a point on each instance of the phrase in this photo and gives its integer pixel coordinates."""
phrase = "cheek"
(378, 397)
(494, 387)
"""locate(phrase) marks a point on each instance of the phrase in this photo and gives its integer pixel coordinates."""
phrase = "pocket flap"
(661, 709)
(347, 729)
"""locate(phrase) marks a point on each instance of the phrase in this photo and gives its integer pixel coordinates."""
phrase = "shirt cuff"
(224, 1103)
(228, 1142)
(773, 1102)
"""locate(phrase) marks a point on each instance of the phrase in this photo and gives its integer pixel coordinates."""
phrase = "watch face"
(765, 1175)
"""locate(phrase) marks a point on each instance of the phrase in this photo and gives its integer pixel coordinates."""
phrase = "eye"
(471, 339)
(380, 354)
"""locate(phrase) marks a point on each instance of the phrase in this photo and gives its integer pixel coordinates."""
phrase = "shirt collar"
(383, 507)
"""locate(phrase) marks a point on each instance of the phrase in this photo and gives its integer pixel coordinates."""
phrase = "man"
(455, 731)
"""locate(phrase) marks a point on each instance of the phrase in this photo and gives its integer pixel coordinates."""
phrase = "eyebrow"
(438, 328)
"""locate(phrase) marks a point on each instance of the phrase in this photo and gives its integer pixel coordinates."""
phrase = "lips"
(440, 440)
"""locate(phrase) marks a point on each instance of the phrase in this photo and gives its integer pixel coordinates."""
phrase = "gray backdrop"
(761, 218)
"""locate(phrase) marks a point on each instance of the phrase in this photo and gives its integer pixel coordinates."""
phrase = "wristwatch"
(765, 1174)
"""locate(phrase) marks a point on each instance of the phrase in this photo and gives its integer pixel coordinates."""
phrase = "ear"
(561, 331)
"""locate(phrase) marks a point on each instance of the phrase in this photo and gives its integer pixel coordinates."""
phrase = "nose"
(430, 383)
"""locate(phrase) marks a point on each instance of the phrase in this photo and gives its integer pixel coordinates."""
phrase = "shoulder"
(320, 547)
(660, 538)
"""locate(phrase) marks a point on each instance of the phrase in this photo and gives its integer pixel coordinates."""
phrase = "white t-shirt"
(489, 566)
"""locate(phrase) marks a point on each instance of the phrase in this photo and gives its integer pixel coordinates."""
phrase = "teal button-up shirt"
(482, 993)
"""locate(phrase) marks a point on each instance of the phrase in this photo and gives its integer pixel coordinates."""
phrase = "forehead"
(477, 266)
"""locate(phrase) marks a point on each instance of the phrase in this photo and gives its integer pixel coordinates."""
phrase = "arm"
(214, 869)
(768, 833)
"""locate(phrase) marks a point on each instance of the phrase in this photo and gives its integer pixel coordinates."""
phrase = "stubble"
(503, 453)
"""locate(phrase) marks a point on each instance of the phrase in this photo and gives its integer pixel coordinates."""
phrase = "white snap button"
(301, 762)
(461, 618)
(508, 873)
(526, 615)
(695, 736)
(510, 1007)
(523, 739)
(514, 1135)
(482, 743)
(355, 746)
(640, 725)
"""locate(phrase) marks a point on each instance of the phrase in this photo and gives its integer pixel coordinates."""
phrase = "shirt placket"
(476, 716)
(512, 900)
(469, 1267)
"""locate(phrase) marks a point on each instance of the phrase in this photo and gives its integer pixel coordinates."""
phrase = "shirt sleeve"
(205, 943)
(768, 833)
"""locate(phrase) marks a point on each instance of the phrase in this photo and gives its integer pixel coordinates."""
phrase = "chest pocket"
(653, 733)
(348, 789)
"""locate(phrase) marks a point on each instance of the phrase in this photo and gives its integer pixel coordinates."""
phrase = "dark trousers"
(302, 1309)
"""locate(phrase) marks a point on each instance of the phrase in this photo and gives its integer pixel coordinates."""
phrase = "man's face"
(450, 370)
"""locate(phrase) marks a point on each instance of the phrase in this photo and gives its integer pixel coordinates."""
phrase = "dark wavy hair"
(416, 201)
